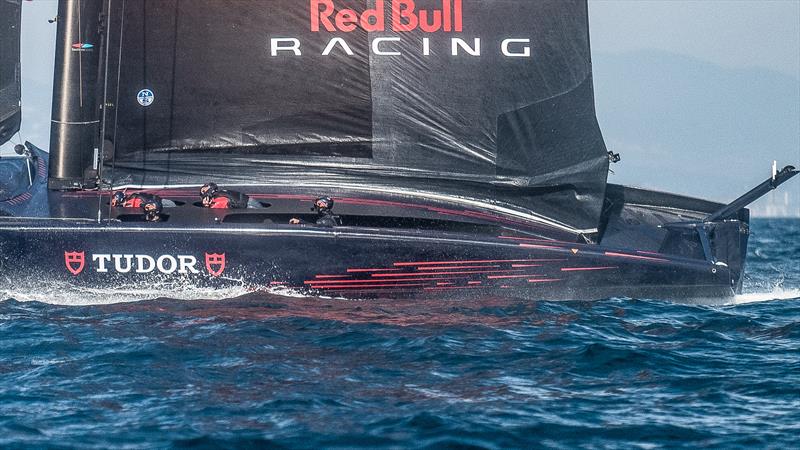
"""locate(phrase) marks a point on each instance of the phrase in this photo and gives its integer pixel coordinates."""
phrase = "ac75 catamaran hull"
(348, 262)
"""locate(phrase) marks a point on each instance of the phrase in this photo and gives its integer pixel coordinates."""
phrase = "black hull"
(348, 262)
(392, 245)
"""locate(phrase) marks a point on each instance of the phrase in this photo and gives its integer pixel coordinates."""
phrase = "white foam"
(61, 293)
(777, 293)
(64, 293)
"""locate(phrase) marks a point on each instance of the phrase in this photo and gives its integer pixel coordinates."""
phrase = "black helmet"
(323, 204)
(209, 189)
(117, 198)
(152, 209)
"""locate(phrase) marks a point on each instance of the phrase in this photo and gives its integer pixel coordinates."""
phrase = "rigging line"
(172, 88)
(145, 82)
(16, 135)
(80, 55)
(105, 113)
(116, 96)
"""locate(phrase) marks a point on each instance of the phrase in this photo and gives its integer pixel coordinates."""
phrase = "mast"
(76, 111)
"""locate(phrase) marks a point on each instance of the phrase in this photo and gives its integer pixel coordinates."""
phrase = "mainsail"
(484, 95)
(10, 112)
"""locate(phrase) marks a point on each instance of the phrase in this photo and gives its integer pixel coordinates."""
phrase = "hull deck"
(390, 245)
(352, 262)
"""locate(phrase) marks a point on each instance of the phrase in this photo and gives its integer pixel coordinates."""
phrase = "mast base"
(69, 184)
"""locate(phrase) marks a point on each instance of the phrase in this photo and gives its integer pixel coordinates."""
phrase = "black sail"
(10, 112)
(483, 96)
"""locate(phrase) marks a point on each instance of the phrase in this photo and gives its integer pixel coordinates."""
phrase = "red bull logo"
(76, 262)
(404, 17)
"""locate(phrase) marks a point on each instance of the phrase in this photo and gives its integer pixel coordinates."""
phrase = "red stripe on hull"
(374, 286)
(625, 255)
(463, 272)
(456, 267)
(377, 280)
(371, 270)
(475, 261)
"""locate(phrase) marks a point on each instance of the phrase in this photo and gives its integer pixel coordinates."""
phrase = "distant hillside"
(687, 126)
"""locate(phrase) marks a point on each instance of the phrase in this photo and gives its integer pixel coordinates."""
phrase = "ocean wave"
(126, 367)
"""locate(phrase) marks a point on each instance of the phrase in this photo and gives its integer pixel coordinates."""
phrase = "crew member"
(214, 197)
(324, 209)
(136, 200)
(152, 209)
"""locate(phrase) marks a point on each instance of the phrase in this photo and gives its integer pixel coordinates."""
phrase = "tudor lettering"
(130, 263)
(404, 17)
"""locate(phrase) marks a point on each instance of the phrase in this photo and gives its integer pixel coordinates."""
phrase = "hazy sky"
(732, 34)
(734, 66)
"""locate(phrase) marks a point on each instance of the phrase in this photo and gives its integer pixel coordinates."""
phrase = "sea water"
(237, 369)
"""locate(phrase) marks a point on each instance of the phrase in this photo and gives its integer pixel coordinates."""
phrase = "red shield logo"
(215, 263)
(75, 261)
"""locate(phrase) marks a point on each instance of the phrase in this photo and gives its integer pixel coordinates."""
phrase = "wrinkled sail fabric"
(475, 93)
(10, 112)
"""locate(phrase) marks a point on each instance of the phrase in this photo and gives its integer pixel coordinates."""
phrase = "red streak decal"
(442, 273)
(477, 214)
(578, 269)
(439, 283)
(625, 255)
(528, 265)
(474, 282)
(332, 276)
(280, 196)
(373, 290)
(544, 280)
(481, 261)
(501, 277)
(549, 247)
(377, 280)
(444, 210)
(375, 286)
(373, 202)
(451, 287)
(456, 267)
(648, 253)
(371, 270)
